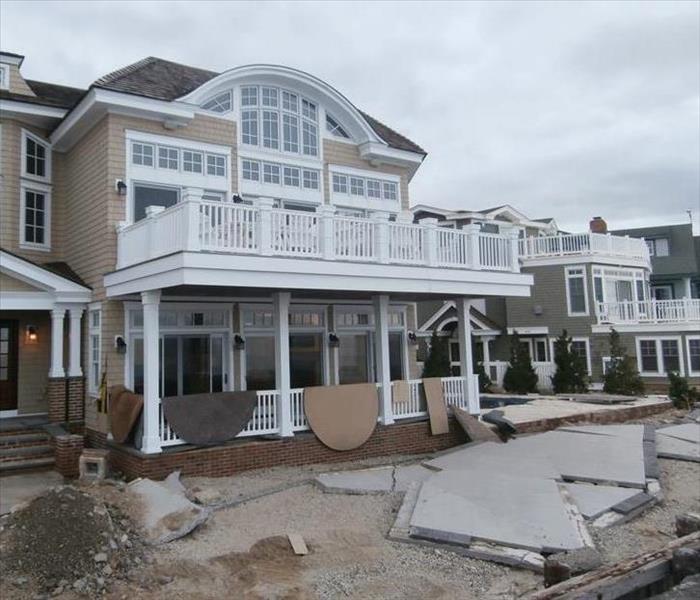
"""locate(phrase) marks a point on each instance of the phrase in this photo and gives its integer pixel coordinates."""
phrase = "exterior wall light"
(120, 187)
(238, 341)
(333, 340)
(31, 334)
(120, 344)
(412, 338)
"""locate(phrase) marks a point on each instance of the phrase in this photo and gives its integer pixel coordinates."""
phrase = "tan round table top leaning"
(124, 410)
(343, 417)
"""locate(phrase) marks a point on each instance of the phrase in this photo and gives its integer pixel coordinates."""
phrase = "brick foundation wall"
(302, 449)
(56, 399)
(76, 399)
(67, 451)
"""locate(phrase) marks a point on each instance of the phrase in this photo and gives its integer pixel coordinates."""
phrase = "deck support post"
(381, 346)
(57, 315)
(150, 301)
(466, 359)
(280, 302)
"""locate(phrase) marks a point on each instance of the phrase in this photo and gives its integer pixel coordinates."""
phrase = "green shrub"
(622, 376)
(485, 382)
(571, 375)
(520, 377)
(438, 362)
(681, 394)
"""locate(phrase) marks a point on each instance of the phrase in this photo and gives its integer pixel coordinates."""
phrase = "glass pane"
(396, 355)
(694, 348)
(669, 351)
(576, 295)
(217, 364)
(352, 356)
(138, 365)
(152, 196)
(260, 362)
(648, 352)
(195, 365)
(306, 359)
(168, 367)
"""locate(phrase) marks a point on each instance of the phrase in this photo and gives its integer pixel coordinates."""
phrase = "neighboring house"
(177, 230)
(585, 283)
(675, 260)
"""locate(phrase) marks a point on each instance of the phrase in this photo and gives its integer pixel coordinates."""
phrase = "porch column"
(466, 360)
(381, 347)
(487, 351)
(74, 368)
(150, 443)
(280, 303)
(57, 315)
(687, 288)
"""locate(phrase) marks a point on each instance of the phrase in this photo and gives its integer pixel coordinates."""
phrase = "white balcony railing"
(195, 225)
(685, 310)
(265, 420)
(583, 244)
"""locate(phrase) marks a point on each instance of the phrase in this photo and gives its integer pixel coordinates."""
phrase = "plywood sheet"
(207, 419)
(343, 417)
(437, 411)
(124, 410)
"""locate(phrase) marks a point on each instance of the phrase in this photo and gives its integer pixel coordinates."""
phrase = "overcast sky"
(561, 109)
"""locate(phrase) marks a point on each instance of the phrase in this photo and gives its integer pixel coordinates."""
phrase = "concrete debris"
(563, 565)
(689, 432)
(668, 446)
(506, 428)
(298, 544)
(687, 523)
(378, 480)
(476, 431)
(164, 515)
(688, 589)
(173, 483)
(594, 500)
(685, 562)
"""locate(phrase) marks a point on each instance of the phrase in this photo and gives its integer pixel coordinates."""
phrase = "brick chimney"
(598, 225)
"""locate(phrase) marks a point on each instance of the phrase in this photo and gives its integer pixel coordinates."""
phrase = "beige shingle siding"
(340, 153)
(10, 284)
(17, 83)
(10, 200)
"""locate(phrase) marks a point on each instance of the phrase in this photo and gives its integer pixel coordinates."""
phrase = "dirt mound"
(66, 539)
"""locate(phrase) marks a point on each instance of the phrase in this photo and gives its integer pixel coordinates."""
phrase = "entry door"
(8, 365)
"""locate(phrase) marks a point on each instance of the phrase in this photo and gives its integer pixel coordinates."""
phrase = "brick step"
(23, 439)
(28, 464)
(18, 452)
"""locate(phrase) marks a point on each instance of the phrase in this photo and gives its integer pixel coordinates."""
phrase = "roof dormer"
(11, 78)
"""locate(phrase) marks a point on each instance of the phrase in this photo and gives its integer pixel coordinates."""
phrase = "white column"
(326, 215)
(430, 246)
(264, 206)
(381, 348)
(280, 302)
(381, 235)
(687, 292)
(466, 360)
(192, 203)
(57, 315)
(151, 372)
(487, 351)
(473, 230)
(74, 368)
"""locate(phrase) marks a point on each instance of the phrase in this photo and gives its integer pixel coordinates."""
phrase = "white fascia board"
(36, 275)
(11, 108)
(580, 259)
(386, 154)
(436, 315)
(26, 301)
(544, 330)
(291, 273)
(9, 59)
(98, 102)
(656, 328)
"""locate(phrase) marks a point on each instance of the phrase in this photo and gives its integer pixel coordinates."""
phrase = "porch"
(682, 311)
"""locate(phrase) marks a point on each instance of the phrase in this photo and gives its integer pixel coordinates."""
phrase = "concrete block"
(362, 481)
(676, 448)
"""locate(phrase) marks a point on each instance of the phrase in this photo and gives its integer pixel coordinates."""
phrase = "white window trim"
(364, 202)
(47, 146)
(659, 356)
(46, 191)
(4, 77)
(688, 338)
(584, 276)
(588, 351)
(94, 386)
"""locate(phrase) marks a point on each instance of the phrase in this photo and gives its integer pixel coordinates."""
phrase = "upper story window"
(334, 128)
(278, 119)
(576, 294)
(35, 217)
(36, 157)
(280, 174)
(176, 159)
(4, 77)
(365, 187)
(221, 103)
(658, 247)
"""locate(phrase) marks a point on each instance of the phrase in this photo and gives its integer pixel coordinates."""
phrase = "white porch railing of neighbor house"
(567, 244)
(265, 420)
(684, 310)
(496, 370)
(195, 225)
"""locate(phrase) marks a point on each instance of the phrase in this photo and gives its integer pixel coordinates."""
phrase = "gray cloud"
(561, 109)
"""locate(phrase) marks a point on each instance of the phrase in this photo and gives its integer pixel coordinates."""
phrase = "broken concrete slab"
(628, 505)
(163, 514)
(459, 506)
(689, 432)
(672, 447)
(631, 432)
(19, 489)
(405, 475)
(594, 500)
(362, 481)
(476, 430)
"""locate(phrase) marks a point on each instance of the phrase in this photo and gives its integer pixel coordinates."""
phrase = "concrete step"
(20, 452)
(12, 466)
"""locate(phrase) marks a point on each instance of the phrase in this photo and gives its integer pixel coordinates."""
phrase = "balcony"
(585, 244)
(201, 226)
(685, 310)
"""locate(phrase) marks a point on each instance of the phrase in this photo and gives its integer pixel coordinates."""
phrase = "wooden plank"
(298, 544)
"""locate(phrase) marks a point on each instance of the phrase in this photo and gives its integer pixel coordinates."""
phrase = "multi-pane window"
(251, 170)
(648, 356)
(670, 356)
(35, 158)
(271, 173)
(168, 158)
(694, 356)
(291, 176)
(659, 356)
(335, 128)
(598, 288)
(280, 113)
(580, 349)
(216, 165)
(191, 161)
(310, 179)
(576, 291)
(658, 246)
(220, 103)
(142, 154)
(35, 218)
(340, 184)
(94, 333)
(375, 189)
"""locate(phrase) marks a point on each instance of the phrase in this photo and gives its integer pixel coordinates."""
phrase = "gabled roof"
(166, 80)
(60, 268)
(47, 94)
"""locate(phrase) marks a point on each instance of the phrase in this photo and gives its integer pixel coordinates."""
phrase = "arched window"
(335, 128)
(221, 103)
